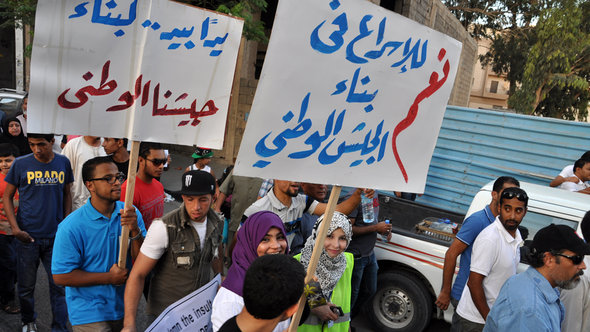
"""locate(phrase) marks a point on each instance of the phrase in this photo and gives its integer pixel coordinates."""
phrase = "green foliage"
(556, 77)
(17, 13)
(253, 28)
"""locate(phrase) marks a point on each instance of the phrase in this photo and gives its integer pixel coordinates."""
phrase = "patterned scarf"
(329, 270)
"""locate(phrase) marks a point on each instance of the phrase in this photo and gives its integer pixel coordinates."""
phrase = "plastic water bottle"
(444, 225)
(385, 236)
(368, 211)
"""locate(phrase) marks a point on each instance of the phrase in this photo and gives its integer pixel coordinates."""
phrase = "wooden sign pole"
(317, 250)
(131, 171)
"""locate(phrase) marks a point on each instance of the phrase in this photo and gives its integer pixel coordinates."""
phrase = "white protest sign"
(146, 70)
(191, 313)
(350, 94)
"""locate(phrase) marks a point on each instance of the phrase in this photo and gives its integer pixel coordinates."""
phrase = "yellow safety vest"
(340, 297)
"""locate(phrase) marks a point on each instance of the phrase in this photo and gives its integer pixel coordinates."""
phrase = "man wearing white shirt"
(567, 173)
(582, 173)
(495, 257)
(183, 249)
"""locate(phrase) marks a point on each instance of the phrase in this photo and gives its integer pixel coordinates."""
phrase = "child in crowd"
(8, 153)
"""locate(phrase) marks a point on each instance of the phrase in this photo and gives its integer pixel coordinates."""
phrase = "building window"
(494, 87)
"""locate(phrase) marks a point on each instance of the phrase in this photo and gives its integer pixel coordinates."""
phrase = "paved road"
(171, 181)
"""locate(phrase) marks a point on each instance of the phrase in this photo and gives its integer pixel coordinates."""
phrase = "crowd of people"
(66, 210)
(489, 295)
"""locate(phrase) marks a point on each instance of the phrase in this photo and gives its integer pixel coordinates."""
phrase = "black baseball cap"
(195, 183)
(558, 237)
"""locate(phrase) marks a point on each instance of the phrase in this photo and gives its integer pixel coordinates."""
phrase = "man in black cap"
(183, 248)
(529, 301)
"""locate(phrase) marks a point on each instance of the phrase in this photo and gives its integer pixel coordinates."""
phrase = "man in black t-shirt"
(272, 288)
(116, 148)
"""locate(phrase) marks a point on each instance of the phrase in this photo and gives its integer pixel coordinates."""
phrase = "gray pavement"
(171, 180)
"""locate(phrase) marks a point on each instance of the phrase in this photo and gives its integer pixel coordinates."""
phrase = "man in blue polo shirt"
(463, 244)
(86, 250)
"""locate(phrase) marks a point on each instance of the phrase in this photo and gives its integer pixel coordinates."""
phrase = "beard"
(570, 284)
(511, 227)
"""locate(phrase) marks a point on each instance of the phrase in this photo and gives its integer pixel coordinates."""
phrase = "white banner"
(192, 312)
(350, 94)
(156, 71)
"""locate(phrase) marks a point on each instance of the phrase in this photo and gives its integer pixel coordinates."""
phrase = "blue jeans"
(29, 255)
(7, 268)
(364, 282)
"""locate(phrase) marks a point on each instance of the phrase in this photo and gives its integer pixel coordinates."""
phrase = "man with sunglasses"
(78, 151)
(529, 301)
(86, 250)
(149, 195)
(463, 245)
(495, 258)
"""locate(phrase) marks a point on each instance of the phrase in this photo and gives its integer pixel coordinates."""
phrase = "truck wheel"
(401, 303)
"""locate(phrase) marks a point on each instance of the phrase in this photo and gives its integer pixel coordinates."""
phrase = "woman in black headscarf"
(13, 134)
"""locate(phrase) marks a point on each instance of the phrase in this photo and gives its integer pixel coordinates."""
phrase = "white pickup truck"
(411, 263)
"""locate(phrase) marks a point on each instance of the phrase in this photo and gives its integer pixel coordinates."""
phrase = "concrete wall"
(431, 13)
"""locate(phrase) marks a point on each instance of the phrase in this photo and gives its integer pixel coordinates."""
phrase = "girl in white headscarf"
(334, 273)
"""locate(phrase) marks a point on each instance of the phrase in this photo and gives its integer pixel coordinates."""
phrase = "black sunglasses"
(521, 196)
(110, 179)
(158, 162)
(577, 259)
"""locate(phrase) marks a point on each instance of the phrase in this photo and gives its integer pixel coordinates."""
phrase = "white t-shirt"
(156, 240)
(495, 255)
(288, 215)
(78, 152)
(573, 186)
(228, 304)
(567, 171)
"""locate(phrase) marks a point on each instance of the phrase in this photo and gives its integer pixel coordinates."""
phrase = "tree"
(556, 78)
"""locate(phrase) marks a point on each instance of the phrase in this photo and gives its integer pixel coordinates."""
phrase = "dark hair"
(90, 166)
(7, 149)
(47, 137)
(145, 147)
(273, 283)
(585, 226)
(499, 183)
(580, 163)
(535, 258)
(124, 142)
(514, 192)
(586, 155)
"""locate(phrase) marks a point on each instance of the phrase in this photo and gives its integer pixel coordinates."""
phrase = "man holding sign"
(183, 248)
(284, 200)
(86, 250)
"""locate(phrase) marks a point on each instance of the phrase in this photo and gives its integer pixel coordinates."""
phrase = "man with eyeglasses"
(495, 258)
(78, 151)
(149, 195)
(44, 180)
(529, 301)
(463, 245)
(86, 251)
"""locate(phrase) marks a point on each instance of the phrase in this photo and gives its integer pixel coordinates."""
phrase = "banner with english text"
(157, 71)
(191, 313)
(350, 94)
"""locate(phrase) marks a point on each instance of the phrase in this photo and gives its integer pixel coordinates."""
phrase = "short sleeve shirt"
(470, 229)
(496, 255)
(89, 241)
(291, 216)
(41, 190)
